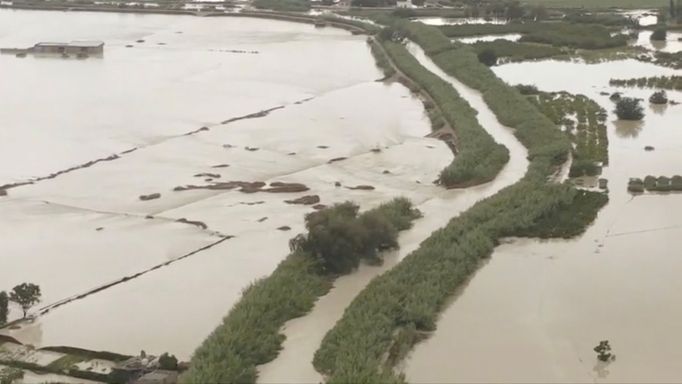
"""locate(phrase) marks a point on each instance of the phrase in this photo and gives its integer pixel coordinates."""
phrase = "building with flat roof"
(74, 47)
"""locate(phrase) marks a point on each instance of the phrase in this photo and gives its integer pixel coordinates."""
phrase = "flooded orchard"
(313, 118)
(548, 303)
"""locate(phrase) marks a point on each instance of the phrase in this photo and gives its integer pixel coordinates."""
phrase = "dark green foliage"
(656, 184)
(668, 59)
(487, 57)
(584, 167)
(372, 3)
(659, 97)
(26, 295)
(381, 59)
(629, 108)
(283, 5)
(527, 89)
(660, 34)
(4, 302)
(168, 362)
(570, 219)
(9, 375)
(479, 157)
(249, 335)
(514, 51)
(664, 82)
(607, 19)
(404, 13)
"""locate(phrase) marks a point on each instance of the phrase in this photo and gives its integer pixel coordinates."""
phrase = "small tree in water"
(488, 57)
(628, 108)
(26, 295)
(660, 34)
(659, 97)
(604, 351)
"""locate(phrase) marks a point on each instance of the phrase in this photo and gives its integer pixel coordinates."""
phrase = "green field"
(599, 3)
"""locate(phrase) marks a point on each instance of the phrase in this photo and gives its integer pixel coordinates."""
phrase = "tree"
(488, 57)
(628, 108)
(604, 351)
(515, 11)
(659, 97)
(660, 34)
(26, 295)
(168, 362)
(10, 374)
(4, 301)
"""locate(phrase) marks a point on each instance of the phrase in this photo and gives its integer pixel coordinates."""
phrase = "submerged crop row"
(338, 239)
(662, 82)
(479, 158)
(397, 309)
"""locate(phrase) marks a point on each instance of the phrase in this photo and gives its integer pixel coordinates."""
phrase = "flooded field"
(536, 310)
(458, 20)
(303, 335)
(215, 107)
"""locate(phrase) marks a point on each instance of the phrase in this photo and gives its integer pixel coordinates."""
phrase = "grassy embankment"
(661, 82)
(583, 120)
(479, 158)
(249, 334)
(397, 309)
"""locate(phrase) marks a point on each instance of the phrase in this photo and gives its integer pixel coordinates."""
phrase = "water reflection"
(659, 109)
(628, 129)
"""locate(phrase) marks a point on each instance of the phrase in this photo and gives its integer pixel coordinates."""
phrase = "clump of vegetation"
(479, 157)
(487, 57)
(283, 5)
(527, 89)
(380, 58)
(659, 34)
(667, 59)
(26, 295)
(656, 184)
(604, 351)
(249, 334)
(584, 122)
(628, 108)
(168, 362)
(661, 82)
(659, 97)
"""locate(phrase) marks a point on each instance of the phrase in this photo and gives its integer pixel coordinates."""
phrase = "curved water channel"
(304, 334)
(538, 308)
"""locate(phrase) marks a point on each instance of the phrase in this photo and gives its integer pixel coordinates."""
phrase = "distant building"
(404, 4)
(74, 47)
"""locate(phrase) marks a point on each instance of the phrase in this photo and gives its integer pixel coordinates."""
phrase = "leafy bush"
(659, 97)
(487, 57)
(527, 89)
(659, 34)
(4, 303)
(514, 51)
(168, 362)
(628, 108)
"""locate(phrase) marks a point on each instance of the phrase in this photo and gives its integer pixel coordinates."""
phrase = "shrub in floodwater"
(660, 34)
(616, 96)
(676, 183)
(168, 362)
(659, 97)
(662, 184)
(604, 351)
(628, 108)
(636, 185)
(488, 57)
(650, 183)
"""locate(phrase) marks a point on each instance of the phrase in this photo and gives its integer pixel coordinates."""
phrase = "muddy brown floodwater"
(536, 310)
(304, 335)
(197, 112)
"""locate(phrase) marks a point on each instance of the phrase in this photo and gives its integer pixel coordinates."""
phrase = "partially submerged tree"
(488, 57)
(660, 34)
(26, 295)
(168, 362)
(604, 351)
(628, 108)
(4, 309)
(659, 97)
